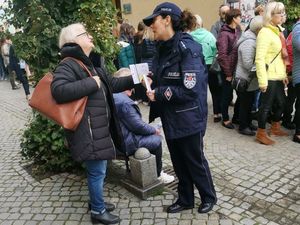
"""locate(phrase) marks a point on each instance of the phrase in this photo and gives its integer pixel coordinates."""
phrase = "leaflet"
(139, 72)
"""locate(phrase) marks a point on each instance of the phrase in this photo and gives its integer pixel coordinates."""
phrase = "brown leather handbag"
(68, 115)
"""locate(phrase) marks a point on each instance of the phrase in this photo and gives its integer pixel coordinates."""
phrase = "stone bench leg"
(143, 175)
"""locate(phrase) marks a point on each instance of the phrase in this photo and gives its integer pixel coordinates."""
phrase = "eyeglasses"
(281, 14)
(84, 33)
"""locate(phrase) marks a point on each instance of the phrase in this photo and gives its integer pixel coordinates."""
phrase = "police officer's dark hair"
(232, 13)
(189, 21)
(141, 26)
(176, 21)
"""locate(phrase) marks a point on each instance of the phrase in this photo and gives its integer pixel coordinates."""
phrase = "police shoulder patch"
(189, 80)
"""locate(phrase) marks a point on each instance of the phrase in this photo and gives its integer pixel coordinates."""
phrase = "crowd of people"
(260, 63)
(12, 68)
(233, 48)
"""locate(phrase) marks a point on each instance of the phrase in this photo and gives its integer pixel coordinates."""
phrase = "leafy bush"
(43, 143)
(292, 10)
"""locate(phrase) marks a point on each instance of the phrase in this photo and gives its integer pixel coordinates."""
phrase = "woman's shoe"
(263, 138)
(296, 138)
(247, 131)
(276, 129)
(253, 127)
(166, 178)
(105, 218)
(28, 98)
(228, 125)
(217, 119)
(235, 120)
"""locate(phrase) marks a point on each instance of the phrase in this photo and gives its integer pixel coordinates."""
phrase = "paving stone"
(212, 222)
(226, 222)
(295, 208)
(125, 222)
(136, 216)
(184, 222)
(248, 221)
(199, 222)
(172, 221)
(48, 223)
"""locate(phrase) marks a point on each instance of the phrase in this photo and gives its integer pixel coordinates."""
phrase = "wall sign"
(127, 8)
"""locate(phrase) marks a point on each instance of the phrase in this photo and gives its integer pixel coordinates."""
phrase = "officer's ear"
(168, 20)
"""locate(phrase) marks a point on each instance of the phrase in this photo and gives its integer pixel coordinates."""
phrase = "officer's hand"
(157, 132)
(151, 95)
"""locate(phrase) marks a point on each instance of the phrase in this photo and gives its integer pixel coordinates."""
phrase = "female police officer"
(179, 98)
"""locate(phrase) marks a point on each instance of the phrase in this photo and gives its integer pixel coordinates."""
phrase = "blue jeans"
(96, 171)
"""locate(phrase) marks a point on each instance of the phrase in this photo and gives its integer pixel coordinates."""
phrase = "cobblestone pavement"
(255, 184)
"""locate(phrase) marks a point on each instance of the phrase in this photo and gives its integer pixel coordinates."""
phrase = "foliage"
(41, 22)
(293, 11)
(43, 143)
(101, 27)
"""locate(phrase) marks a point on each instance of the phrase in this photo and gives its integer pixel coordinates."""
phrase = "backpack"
(289, 47)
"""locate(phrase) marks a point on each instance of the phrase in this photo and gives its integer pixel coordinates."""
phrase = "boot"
(12, 80)
(262, 137)
(105, 218)
(275, 130)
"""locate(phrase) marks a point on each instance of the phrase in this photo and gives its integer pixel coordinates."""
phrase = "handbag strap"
(81, 64)
(274, 58)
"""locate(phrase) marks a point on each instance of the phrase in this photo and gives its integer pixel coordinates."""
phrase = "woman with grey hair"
(98, 135)
(246, 56)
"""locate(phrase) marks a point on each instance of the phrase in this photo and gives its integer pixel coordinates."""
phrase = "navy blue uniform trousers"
(191, 167)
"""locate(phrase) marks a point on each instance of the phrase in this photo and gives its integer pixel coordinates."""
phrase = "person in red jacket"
(227, 58)
(291, 94)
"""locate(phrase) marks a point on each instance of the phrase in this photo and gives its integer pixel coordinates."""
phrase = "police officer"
(179, 98)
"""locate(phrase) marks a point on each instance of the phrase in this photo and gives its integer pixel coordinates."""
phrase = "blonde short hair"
(199, 21)
(69, 33)
(271, 9)
(148, 34)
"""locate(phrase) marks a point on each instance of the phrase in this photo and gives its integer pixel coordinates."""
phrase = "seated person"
(136, 132)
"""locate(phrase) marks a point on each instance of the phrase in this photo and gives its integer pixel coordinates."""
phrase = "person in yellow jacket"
(271, 72)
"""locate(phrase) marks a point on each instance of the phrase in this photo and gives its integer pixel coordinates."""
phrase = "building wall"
(207, 9)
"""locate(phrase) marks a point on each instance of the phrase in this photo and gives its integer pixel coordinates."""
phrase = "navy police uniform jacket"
(180, 83)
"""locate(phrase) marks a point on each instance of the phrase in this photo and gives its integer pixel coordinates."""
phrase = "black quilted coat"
(98, 135)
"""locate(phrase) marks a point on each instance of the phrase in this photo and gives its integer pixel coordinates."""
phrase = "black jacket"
(98, 134)
(148, 53)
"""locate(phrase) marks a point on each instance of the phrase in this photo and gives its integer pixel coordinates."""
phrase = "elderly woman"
(271, 72)
(246, 55)
(98, 134)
